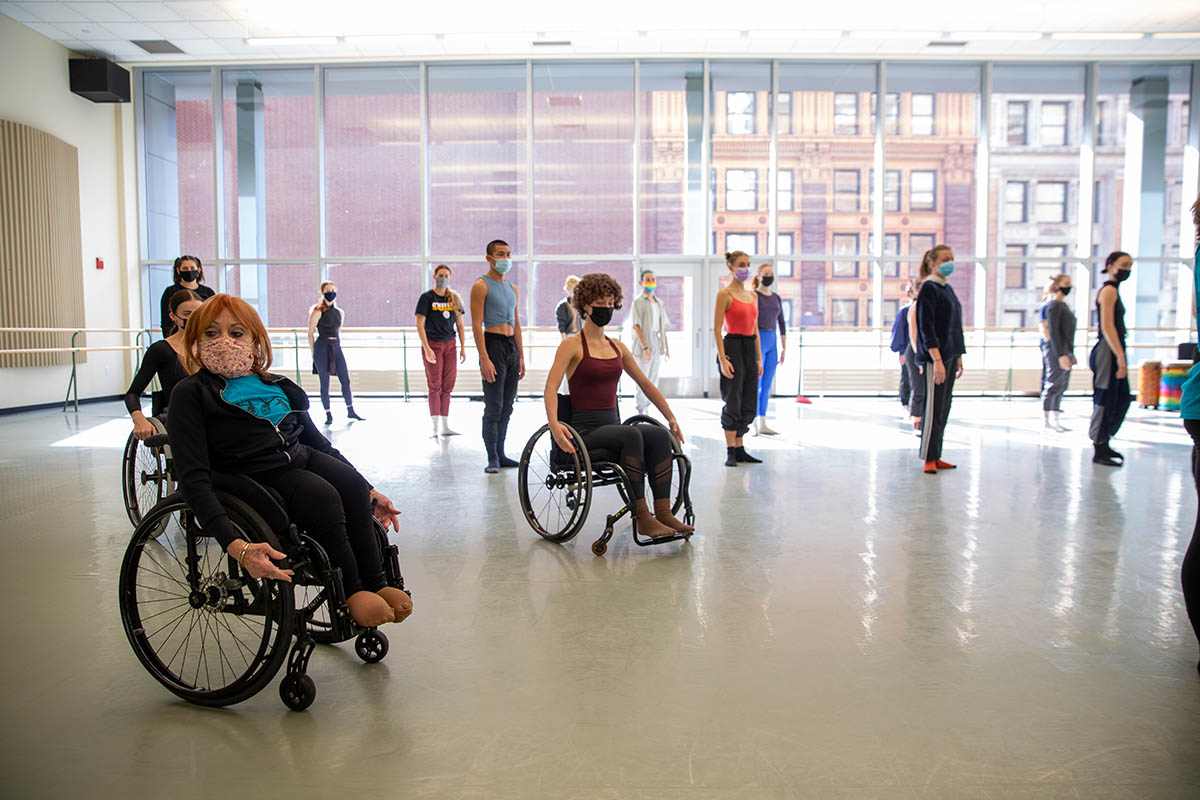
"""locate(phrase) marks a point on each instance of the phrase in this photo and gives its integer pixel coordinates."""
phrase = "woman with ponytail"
(739, 355)
(1057, 325)
(940, 348)
(1110, 372)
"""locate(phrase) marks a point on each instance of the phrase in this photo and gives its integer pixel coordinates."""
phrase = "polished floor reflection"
(841, 626)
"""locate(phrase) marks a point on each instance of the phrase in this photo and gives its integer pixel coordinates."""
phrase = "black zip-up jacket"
(209, 434)
(939, 322)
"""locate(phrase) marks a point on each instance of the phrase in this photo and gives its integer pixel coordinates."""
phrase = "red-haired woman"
(232, 415)
(325, 320)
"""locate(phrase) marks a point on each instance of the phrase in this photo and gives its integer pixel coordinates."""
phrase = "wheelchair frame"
(576, 474)
(225, 594)
(144, 465)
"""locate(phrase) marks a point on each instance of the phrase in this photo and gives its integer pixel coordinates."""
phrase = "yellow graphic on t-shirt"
(444, 305)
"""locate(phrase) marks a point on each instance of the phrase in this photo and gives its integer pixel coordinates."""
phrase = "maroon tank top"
(593, 385)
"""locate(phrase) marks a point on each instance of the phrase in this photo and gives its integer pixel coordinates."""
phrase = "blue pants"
(770, 357)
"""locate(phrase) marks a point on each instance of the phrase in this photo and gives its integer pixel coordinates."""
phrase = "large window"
(741, 189)
(783, 114)
(478, 159)
(891, 190)
(746, 242)
(922, 185)
(922, 114)
(844, 311)
(739, 112)
(845, 113)
(1017, 129)
(582, 137)
(786, 193)
(845, 244)
(1016, 201)
(741, 163)
(1054, 123)
(1014, 268)
(1051, 201)
(845, 189)
(891, 118)
(670, 104)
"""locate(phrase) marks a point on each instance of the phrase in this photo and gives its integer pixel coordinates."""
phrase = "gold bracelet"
(242, 555)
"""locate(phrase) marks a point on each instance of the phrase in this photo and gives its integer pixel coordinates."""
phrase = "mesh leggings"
(633, 446)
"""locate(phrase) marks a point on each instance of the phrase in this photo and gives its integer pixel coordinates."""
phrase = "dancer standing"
(900, 345)
(1189, 408)
(1110, 377)
(325, 321)
(770, 316)
(496, 326)
(439, 312)
(649, 335)
(739, 356)
(940, 348)
(1058, 349)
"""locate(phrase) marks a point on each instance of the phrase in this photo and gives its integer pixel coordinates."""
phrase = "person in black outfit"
(324, 322)
(188, 274)
(1110, 374)
(900, 345)
(1058, 349)
(161, 359)
(940, 348)
(232, 415)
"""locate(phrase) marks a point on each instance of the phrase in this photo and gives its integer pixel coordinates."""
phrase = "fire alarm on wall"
(99, 263)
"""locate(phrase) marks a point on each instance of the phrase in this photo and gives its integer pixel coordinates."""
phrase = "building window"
(785, 196)
(1014, 272)
(1016, 201)
(922, 190)
(785, 245)
(746, 242)
(1018, 122)
(922, 115)
(1013, 319)
(1051, 201)
(739, 112)
(891, 117)
(1045, 270)
(891, 307)
(845, 189)
(845, 244)
(845, 113)
(1104, 123)
(845, 311)
(1054, 124)
(891, 190)
(783, 113)
(891, 247)
(1096, 202)
(741, 190)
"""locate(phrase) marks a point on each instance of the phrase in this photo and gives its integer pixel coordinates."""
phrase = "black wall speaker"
(99, 80)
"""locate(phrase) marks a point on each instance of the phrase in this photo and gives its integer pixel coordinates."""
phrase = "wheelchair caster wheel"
(371, 646)
(297, 691)
(599, 547)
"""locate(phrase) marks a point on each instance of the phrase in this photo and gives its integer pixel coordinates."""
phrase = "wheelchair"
(146, 472)
(212, 634)
(556, 487)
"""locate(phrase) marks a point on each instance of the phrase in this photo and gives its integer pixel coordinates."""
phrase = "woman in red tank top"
(592, 364)
(739, 354)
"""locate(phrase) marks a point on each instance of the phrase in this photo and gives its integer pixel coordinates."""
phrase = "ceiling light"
(926, 35)
(283, 41)
(794, 34)
(997, 36)
(1095, 36)
(1177, 35)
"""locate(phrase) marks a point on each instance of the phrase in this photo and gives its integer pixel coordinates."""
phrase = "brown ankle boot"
(400, 602)
(662, 513)
(369, 610)
(646, 523)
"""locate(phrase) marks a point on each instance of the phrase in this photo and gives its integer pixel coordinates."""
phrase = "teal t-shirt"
(1189, 404)
(260, 399)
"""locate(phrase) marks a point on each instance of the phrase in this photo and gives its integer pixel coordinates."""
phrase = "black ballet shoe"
(350, 413)
(1102, 456)
(492, 469)
(328, 418)
(507, 462)
(731, 459)
(745, 457)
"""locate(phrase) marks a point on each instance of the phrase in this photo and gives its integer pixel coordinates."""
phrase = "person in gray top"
(649, 343)
(1058, 349)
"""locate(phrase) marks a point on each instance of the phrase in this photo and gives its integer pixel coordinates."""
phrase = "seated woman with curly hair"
(593, 364)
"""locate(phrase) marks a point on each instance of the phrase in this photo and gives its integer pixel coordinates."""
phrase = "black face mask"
(329, 296)
(189, 275)
(601, 315)
(1121, 275)
(1066, 290)
(767, 280)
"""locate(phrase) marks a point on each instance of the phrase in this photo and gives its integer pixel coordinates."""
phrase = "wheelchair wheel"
(200, 624)
(145, 477)
(319, 626)
(555, 487)
(681, 469)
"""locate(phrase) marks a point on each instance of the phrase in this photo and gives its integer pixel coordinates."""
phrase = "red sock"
(944, 464)
(931, 467)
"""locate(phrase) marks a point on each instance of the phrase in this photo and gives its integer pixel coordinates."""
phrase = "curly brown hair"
(592, 287)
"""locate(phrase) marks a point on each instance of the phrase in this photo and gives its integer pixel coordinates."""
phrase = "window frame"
(912, 190)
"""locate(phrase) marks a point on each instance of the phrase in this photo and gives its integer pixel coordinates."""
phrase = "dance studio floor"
(841, 626)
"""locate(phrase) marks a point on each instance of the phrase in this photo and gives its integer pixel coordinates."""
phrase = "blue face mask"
(329, 296)
(946, 268)
(503, 265)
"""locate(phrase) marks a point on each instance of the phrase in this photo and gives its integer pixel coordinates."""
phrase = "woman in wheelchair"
(593, 364)
(162, 359)
(232, 415)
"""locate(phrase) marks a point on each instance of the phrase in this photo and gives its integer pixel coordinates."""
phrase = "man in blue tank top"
(497, 328)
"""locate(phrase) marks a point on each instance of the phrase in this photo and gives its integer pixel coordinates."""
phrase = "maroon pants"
(441, 376)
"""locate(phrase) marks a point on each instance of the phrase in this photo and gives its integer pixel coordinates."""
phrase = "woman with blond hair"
(232, 415)
(1057, 324)
(325, 321)
(940, 348)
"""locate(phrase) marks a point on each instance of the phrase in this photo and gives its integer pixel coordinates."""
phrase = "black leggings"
(331, 502)
(328, 358)
(634, 446)
(1190, 574)
(740, 392)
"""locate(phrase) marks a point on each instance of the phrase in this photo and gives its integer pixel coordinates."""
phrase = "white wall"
(35, 92)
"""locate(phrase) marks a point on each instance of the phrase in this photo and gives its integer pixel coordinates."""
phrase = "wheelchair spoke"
(176, 622)
(166, 611)
(242, 648)
(187, 638)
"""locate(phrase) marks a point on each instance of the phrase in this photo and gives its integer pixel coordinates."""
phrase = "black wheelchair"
(214, 635)
(146, 476)
(556, 487)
